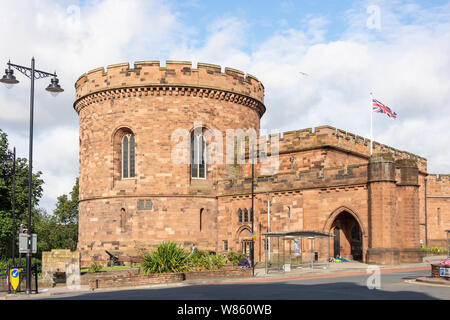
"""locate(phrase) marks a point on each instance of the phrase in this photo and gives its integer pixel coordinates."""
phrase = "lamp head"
(9, 79)
(54, 88)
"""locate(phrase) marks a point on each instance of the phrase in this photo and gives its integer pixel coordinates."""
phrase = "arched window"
(240, 215)
(198, 155)
(245, 215)
(128, 156)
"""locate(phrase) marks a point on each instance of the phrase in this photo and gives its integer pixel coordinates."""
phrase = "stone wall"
(438, 209)
(435, 271)
(59, 261)
(122, 280)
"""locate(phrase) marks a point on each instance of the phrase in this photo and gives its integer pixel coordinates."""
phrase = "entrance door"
(356, 243)
(337, 242)
(247, 247)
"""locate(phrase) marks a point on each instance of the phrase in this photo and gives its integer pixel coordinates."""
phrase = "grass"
(110, 268)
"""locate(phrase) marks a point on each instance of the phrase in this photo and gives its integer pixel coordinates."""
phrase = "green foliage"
(205, 261)
(60, 230)
(235, 257)
(168, 257)
(433, 249)
(57, 231)
(54, 235)
(113, 268)
(67, 209)
(23, 262)
(6, 193)
(94, 267)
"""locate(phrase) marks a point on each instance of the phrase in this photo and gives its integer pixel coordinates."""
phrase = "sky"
(399, 50)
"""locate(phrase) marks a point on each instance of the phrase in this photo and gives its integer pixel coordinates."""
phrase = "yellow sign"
(253, 236)
(14, 276)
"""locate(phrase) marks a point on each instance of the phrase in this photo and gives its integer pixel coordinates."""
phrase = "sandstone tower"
(144, 198)
(133, 194)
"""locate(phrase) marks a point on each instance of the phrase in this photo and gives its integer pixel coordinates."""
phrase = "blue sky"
(401, 53)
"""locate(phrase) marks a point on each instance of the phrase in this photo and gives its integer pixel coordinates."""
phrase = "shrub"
(94, 267)
(168, 257)
(34, 261)
(433, 249)
(235, 257)
(206, 261)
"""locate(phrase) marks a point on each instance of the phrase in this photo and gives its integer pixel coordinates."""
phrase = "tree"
(6, 193)
(67, 210)
(59, 230)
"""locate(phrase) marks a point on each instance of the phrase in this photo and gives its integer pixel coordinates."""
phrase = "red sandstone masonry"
(139, 280)
(328, 171)
(135, 280)
(175, 73)
(438, 209)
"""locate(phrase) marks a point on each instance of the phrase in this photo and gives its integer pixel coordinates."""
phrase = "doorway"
(337, 242)
(247, 247)
(347, 237)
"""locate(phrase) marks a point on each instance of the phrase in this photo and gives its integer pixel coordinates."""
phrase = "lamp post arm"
(38, 74)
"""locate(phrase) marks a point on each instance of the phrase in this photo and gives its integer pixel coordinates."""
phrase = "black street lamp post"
(12, 158)
(54, 88)
(252, 214)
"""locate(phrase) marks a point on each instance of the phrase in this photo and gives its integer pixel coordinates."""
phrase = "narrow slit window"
(198, 156)
(128, 156)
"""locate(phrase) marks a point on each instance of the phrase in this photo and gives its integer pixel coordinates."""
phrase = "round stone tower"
(133, 192)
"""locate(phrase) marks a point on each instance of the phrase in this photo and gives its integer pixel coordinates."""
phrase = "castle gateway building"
(142, 182)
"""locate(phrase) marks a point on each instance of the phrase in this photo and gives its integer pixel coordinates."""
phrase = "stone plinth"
(60, 261)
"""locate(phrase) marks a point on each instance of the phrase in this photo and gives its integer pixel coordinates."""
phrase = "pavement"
(327, 270)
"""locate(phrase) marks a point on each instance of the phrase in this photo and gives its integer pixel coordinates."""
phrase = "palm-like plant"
(168, 257)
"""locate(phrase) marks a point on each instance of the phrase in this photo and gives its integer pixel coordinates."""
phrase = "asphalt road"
(393, 286)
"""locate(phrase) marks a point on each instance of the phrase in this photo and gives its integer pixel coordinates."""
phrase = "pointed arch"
(241, 229)
(337, 212)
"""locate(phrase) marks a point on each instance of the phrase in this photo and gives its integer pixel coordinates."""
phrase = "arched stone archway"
(244, 240)
(348, 234)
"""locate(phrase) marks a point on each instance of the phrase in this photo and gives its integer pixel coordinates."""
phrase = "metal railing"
(5, 285)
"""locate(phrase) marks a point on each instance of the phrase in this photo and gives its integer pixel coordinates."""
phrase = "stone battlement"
(445, 178)
(175, 73)
(346, 176)
(322, 136)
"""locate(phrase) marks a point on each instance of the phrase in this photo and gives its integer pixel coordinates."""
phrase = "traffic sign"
(14, 277)
(23, 245)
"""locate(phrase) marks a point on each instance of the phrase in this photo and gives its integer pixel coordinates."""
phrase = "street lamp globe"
(9, 79)
(54, 88)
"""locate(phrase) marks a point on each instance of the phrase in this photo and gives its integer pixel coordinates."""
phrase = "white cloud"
(72, 41)
(405, 63)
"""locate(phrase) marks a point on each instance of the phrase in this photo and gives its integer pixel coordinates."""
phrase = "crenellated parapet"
(328, 136)
(333, 177)
(438, 185)
(439, 178)
(176, 78)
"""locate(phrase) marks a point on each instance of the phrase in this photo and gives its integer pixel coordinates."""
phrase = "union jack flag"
(381, 108)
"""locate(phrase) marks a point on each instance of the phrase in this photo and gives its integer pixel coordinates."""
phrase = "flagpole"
(371, 122)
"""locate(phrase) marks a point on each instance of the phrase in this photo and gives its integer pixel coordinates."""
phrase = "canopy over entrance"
(300, 256)
(298, 234)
